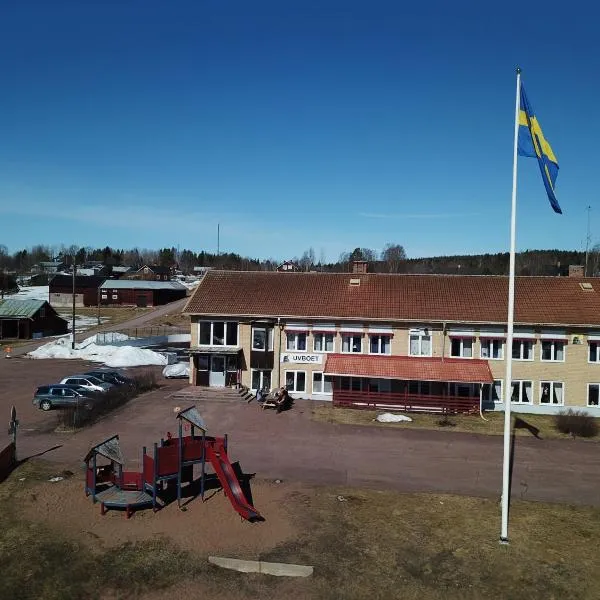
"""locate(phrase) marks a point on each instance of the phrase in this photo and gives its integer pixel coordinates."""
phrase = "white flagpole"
(509, 333)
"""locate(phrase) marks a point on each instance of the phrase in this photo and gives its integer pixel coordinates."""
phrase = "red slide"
(231, 486)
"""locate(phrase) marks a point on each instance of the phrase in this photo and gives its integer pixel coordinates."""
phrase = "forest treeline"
(392, 259)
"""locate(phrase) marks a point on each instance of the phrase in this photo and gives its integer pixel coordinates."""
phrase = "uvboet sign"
(302, 359)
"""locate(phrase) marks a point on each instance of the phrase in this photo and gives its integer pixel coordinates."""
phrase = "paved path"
(155, 313)
(290, 446)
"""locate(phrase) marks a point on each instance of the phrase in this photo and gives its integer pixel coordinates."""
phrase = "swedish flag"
(533, 143)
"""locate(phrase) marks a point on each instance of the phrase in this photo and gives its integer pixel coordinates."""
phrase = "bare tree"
(393, 256)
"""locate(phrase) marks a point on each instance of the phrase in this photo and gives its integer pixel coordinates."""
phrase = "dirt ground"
(209, 527)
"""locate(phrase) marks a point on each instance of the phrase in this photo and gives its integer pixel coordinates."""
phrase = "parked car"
(59, 395)
(89, 382)
(112, 377)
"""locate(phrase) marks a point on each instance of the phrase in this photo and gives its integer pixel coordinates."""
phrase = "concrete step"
(195, 393)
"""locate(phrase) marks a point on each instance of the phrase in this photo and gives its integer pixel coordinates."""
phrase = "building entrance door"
(216, 377)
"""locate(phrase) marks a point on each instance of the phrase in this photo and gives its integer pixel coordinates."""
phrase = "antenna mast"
(587, 242)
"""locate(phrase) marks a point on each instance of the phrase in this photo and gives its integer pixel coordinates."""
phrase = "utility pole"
(218, 239)
(587, 242)
(73, 322)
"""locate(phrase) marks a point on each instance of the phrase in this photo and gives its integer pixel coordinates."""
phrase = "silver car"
(89, 382)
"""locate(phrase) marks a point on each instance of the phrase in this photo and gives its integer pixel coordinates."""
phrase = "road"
(155, 313)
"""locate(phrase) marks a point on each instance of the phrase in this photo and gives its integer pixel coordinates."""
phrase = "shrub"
(576, 423)
(79, 416)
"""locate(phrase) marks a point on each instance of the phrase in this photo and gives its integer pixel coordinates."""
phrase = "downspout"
(280, 327)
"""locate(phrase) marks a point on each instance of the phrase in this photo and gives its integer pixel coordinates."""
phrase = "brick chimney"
(576, 271)
(359, 266)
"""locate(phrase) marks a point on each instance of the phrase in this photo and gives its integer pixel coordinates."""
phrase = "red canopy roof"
(409, 368)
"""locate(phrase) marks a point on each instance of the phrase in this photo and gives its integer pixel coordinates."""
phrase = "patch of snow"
(82, 322)
(391, 418)
(31, 292)
(180, 369)
(111, 356)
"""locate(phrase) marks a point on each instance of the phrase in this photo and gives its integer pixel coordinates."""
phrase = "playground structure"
(8, 455)
(171, 463)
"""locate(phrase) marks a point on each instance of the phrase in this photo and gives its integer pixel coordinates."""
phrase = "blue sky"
(292, 124)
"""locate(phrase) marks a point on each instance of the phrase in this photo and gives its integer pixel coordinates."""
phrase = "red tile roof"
(409, 368)
(428, 298)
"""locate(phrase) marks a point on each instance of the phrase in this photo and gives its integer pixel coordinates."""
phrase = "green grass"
(493, 425)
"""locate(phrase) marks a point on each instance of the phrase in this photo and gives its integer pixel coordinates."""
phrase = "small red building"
(131, 292)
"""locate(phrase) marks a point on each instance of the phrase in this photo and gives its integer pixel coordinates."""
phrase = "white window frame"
(323, 335)
(553, 350)
(379, 343)
(261, 378)
(212, 338)
(589, 385)
(420, 335)
(551, 391)
(268, 338)
(352, 335)
(596, 345)
(322, 383)
(294, 389)
(492, 386)
(522, 341)
(483, 341)
(462, 346)
(296, 335)
(521, 383)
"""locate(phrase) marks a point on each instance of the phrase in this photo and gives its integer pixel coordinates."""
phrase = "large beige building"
(406, 340)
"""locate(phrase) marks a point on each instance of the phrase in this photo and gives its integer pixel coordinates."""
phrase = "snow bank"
(31, 292)
(391, 418)
(111, 356)
(180, 369)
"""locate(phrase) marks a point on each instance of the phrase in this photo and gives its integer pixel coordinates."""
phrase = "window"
(551, 392)
(262, 338)
(492, 348)
(115, 296)
(323, 342)
(492, 392)
(351, 383)
(232, 363)
(380, 344)
(522, 349)
(56, 392)
(420, 388)
(322, 384)
(261, 379)
(296, 341)
(295, 381)
(553, 350)
(218, 333)
(104, 296)
(42, 312)
(521, 392)
(203, 362)
(594, 356)
(419, 344)
(461, 347)
(593, 394)
(352, 342)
